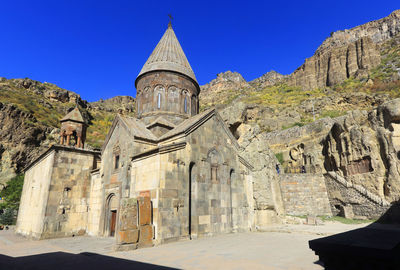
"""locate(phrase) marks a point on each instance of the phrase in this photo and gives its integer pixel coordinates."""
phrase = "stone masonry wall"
(68, 201)
(342, 197)
(198, 189)
(173, 89)
(95, 204)
(305, 194)
(34, 197)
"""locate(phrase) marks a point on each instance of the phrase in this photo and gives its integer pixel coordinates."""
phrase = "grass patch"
(332, 114)
(346, 220)
(98, 130)
(279, 157)
(297, 124)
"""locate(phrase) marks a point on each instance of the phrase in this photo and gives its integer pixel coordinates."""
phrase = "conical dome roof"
(168, 55)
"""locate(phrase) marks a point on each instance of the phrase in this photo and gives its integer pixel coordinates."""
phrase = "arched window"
(159, 101)
(193, 105)
(185, 105)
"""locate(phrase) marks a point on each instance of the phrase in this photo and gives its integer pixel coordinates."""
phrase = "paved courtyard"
(277, 247)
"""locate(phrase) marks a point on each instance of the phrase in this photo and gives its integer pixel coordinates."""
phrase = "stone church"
(170, 173)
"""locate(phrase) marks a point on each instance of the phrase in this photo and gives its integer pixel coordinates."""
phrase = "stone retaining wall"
(305, 194)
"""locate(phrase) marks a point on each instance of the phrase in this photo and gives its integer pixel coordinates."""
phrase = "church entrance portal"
(111, 215)
(112, 222)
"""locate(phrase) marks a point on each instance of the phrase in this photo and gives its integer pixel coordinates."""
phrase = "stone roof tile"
(137, 128)
(168, 55)
(74, 115)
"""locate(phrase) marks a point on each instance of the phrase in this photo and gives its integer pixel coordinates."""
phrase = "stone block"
(204, 219)
(169, 193)
(146, 235)
(127, 237)
(128, 214)
(348, 211)
(215, 203)
(144, 211)
(125, 247)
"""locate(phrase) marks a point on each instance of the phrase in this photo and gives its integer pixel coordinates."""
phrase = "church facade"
(170, 173)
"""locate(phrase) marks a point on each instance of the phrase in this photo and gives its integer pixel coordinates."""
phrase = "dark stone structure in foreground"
(376, 246)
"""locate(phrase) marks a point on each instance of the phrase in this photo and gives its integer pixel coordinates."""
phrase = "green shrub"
(279, 157)
(11, 194)
(8, 217)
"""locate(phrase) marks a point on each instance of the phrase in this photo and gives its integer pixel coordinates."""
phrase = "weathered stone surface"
(146, 235)
(19, 140)
(266, 190)
(118, 104)
(305, 194)
(270, 78)
(333, 66)
(301, 147)
(127, 237)
(55, 197)
(128, 214)
(144, 211)
(222, 87)
(348, 53)
(155, 89)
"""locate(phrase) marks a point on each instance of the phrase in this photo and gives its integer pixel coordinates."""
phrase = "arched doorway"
(111, 215)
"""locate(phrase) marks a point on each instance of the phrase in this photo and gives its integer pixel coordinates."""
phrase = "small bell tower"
(73, 129)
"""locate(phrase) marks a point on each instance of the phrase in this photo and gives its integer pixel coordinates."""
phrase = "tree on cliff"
(11, 194)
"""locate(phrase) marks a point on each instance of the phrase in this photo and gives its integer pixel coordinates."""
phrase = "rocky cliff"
(223, 89)
(346, 54)
(29, 117)
(365, 149)
(358, 59)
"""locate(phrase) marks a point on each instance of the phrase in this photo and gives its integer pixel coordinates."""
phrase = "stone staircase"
(360, 189)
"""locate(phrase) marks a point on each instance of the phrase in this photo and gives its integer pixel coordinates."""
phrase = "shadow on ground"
(62, 260)
(377, 246)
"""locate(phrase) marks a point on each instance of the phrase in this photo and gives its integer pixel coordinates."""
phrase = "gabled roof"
(168, 55)
(134, 127)
(138, 130)
(74, 115)
(161, 121)
(193, 122)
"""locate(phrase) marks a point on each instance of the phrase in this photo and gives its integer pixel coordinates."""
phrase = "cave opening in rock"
(234, 129)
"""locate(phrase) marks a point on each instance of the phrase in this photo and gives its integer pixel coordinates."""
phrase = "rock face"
(345, 54)
(29, 114)
(300, 148)
(361, 149)
(19, 140)
(267, 194)
(271, 118)
(333, 66)
(365, 149)
(48, 90)
(118, 104)
(226, 85)
(225, 80)
(270, 78)
(379, 31)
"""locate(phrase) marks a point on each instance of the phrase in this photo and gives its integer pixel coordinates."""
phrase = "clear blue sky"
(97, 48)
